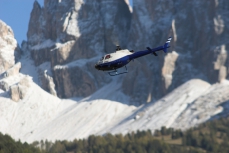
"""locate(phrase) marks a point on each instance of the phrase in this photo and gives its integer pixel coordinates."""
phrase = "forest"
(209, 137)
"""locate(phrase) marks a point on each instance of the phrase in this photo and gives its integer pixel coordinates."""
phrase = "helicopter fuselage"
(114, 60)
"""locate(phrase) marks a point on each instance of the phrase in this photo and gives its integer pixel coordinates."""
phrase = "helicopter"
(121, 57)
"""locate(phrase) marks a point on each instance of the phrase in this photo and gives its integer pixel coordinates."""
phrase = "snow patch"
(45, 44)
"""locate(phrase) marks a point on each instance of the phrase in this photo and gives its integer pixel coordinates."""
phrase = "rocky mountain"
(8, 47)
(199, 30)
(72, 35)
(180, 89)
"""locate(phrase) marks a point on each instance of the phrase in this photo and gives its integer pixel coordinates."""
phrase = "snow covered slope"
(212, 104)
(41, 116)
(165, 111)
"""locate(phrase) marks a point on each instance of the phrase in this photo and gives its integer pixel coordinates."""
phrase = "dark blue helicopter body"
(111, 62)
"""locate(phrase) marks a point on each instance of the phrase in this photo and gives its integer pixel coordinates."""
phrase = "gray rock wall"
(199, 30)
(82, 31)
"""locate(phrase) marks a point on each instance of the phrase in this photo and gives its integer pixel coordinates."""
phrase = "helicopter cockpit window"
(108, 56)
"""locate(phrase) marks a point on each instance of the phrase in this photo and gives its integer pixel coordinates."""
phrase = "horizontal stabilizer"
(149, 49)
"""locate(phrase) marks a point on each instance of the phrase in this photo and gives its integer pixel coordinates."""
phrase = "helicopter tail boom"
(166, 45)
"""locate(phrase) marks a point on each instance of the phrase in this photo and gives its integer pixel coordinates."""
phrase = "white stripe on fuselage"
(117, 55)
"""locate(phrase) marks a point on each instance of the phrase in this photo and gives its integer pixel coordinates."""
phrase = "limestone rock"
(168, 69)
(41, 52)
(82, 31)
(50, 84)
(65, 53)
(36, 31)
(46, 78)
(222, 73)
(19, 90)
(25, 81)
(79, 78)
(13, 70)
(7, 46)
(64, 21)
(73, 81)
(136, 82)
(78, 30)
(196, 32)
(220, 64)
(14, 93)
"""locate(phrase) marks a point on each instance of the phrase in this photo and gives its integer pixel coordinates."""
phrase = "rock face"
(46, 78)
(76, 82)
(199, 30)
(72, 35)
(19, 90)
(10, 78)
(7, 47)
(168, 69)
(13, 70)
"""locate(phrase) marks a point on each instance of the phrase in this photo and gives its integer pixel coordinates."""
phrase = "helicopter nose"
(97, 66)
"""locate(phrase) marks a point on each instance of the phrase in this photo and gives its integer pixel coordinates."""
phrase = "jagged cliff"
(72, 35)
(11, 82)
(7, 46)
(199, 30)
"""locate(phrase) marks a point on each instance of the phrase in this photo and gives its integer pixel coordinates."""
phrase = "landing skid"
(115, 72)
